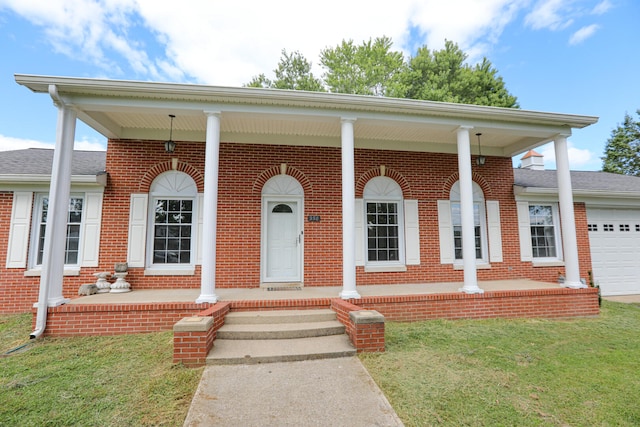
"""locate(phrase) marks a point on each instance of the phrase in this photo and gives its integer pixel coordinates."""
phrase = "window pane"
(172, 231)
(382, 232)
(457, 241)
(543, 242)
(74, 219)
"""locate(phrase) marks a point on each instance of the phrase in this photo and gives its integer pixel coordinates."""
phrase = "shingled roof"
(38, 161)
(581, 181)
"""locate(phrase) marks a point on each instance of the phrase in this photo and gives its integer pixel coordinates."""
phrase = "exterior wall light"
(480, 160)
(170, 145)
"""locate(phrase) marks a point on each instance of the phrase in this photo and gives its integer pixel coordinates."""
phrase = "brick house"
(271, 188)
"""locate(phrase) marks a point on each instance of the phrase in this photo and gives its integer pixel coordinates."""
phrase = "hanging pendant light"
(480, 160)
(170, 145)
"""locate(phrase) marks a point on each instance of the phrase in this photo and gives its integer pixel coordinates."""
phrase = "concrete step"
(234, 352)
(273, 331)
(279, 316)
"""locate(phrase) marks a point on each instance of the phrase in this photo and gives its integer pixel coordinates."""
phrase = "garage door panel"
(614, 238)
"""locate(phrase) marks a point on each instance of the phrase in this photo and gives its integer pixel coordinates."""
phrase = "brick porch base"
(113, 319)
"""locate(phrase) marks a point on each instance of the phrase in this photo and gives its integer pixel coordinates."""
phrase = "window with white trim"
(544, 231)
(479, 222)
(384, 218)
(74, 226)
(172, 213)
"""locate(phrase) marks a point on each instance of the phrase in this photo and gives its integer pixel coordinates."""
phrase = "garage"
(614, 237)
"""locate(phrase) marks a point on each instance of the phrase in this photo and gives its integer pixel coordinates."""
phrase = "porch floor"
(310, 292)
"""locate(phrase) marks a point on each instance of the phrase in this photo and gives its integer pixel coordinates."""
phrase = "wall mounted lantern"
(480, 160)
(170, 145)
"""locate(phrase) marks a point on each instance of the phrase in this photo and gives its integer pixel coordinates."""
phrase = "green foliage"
(622, 152)
(373, 68)
(515, 372)
(293, 72)
(368, 69)
(443, 75)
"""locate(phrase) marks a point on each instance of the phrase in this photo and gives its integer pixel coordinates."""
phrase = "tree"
(293, 72)
(622, 152)
(372, 68)
(368, 69)
(442, 75)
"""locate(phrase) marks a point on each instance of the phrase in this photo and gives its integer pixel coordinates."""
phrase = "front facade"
(286, 189)
(612, 205)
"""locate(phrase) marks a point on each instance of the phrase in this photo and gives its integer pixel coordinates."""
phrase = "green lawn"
(581, 372)
(127, 380)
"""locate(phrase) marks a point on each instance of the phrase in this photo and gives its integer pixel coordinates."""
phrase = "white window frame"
(479, 201)
(382, 189)
(555, 216)
(34, 266)
(172, 185)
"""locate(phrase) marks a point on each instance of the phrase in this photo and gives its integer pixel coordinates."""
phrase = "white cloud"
(472, 24)
(8, 143)
(579, 158)
(583, 33)
(227, 43)
(89, 144)
(602, 7)
(549, 14)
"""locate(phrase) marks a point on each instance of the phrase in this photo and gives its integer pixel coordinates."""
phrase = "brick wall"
(191, 346)
(244, 168)
(365, 332)
(116, 319)
(536, 303)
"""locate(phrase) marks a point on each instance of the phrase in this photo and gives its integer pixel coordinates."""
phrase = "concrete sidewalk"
(629, 299)
(329, 392)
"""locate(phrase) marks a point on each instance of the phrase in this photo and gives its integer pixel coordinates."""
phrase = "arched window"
(172, 220)
(479, 221)
(384, 221)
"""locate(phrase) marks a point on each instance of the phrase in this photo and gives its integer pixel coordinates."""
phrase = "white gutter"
(41, 315)
(519, 190)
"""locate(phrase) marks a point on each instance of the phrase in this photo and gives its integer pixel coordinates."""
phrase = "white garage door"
(614, 236)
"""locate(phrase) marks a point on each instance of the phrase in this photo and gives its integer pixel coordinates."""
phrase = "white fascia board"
(526, 193)
(11, 180)
(274, 97)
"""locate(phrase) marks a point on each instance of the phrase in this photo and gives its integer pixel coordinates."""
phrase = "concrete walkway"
(330, 392)
(629, 299)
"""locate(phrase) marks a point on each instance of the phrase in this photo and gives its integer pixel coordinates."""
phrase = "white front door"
(283, 242)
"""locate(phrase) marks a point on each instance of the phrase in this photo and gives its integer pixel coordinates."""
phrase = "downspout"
(43, 295)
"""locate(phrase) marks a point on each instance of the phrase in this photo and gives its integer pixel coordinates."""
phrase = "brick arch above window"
(475, 177)
(267, 174)
(159, 168)
(389, 173)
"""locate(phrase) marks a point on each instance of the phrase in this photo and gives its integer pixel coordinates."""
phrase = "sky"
(562, 56)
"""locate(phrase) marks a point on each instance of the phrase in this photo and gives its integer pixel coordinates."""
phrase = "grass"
(106, 381)
(580, 372)
(529, 372)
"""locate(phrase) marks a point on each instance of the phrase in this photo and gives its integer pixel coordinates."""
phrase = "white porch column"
(210, 210)
(348, 213)
(55, 238)
(567, 216)
(466, 213)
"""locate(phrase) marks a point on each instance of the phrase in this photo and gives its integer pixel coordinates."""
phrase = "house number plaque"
(313, 218)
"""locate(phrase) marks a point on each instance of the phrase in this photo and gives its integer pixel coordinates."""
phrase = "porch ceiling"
(139, 111)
